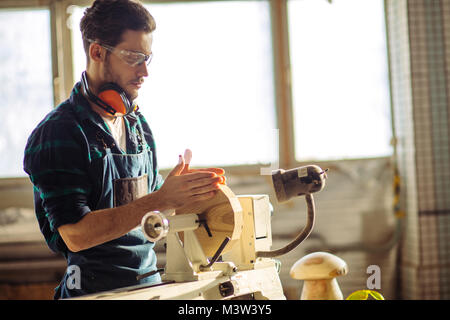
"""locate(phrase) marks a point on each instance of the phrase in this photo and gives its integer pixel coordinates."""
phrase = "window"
(210, 85)
(213, 65)
(340, 79)
(26, 82)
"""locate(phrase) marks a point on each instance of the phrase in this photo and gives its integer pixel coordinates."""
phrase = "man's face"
(118, 71)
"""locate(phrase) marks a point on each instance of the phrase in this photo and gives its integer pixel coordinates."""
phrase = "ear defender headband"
(111, 97)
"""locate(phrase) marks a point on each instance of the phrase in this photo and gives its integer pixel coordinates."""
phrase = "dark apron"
(116, 263)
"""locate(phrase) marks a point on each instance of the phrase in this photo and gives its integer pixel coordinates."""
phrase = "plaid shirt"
(63, 158)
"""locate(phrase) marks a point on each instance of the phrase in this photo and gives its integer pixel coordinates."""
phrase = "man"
(93, 161)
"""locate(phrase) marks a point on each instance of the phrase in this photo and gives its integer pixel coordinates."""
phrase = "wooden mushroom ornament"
(319, 271)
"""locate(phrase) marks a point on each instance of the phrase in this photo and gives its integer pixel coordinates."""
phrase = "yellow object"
(364, 295)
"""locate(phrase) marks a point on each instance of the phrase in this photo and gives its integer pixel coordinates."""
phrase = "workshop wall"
(354, 220)
(353, 214)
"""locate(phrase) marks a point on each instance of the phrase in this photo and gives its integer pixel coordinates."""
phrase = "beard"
(110, 76)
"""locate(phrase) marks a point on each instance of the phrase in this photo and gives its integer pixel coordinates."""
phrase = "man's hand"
(187, 160)
(184, 185)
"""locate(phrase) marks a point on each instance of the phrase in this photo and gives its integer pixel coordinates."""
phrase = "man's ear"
(96, 52)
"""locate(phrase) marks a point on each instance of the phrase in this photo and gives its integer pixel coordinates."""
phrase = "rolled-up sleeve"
(56, 161)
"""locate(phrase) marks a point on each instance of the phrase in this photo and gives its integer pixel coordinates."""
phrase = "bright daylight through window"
(26, 77)
(340, 79)
(210, 83)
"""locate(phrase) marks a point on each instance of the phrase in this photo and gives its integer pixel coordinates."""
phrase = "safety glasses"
(132, 58)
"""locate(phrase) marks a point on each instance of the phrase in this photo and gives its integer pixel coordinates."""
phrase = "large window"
(211, 83)
(210, 86)
(26, 92)
(340, 79)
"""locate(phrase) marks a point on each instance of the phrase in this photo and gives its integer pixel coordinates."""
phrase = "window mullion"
(61, 51)
(282, 78)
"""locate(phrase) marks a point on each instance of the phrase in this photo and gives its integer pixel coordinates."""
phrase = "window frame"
(62, 69)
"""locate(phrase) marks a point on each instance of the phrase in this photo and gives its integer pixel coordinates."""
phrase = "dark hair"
(107, 20)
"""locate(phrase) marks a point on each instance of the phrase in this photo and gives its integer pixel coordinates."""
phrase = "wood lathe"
(221, 248)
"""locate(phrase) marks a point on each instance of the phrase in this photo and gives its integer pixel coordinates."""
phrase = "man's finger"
(198, 183)
(199, 175)
(205, 189)
(187, 156)
(176, 171)
(218, 171)
(187, 161)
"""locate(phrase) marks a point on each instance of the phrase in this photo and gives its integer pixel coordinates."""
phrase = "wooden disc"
(223, 215)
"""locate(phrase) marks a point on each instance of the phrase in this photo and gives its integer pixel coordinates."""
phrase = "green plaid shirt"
(63, 158)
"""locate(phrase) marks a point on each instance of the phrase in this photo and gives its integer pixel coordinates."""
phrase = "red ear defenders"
(111, 97)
